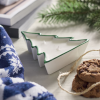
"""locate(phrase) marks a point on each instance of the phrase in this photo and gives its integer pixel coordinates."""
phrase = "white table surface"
(32, 70)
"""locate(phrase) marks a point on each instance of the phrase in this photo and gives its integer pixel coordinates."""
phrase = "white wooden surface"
(32, 70)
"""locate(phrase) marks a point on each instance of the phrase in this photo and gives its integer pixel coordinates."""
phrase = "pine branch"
(93, 19)
(67, 11)
(73, 10)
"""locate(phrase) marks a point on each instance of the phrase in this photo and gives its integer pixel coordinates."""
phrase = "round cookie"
(79, 85)
(89, 71)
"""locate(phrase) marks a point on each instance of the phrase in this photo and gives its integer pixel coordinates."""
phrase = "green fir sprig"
(73, 10)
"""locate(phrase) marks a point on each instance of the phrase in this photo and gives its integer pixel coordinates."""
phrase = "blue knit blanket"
(12, 84)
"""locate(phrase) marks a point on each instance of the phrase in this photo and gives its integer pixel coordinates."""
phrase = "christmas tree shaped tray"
(52, 51)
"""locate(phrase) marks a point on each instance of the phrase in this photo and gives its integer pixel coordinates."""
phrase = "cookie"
(79, 85)
(89, 71)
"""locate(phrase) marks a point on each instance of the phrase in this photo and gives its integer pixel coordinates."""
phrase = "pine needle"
(73, 10)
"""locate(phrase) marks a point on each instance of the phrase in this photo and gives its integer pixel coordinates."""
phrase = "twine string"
(71, 70)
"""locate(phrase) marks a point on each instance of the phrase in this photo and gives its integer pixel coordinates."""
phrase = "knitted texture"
(12, 84)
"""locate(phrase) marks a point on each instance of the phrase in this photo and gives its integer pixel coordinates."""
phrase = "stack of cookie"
(88, 73)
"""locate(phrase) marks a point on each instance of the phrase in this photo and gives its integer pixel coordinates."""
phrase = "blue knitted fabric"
(12, 84)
